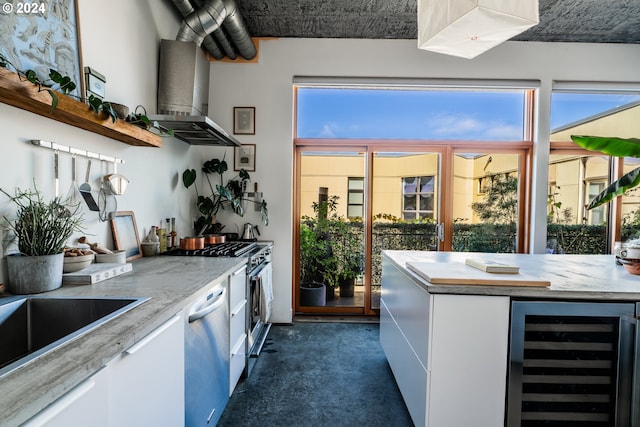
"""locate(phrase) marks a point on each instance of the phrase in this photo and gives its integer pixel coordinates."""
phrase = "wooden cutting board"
(457, 273)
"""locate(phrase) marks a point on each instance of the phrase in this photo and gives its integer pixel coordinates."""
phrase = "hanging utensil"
(117, 183)
(62, 210)
(107, 203)
(73, 199)
(85, 191)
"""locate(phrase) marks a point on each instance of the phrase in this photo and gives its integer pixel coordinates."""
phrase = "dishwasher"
(207, 357)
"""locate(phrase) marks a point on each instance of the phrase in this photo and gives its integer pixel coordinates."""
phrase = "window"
(355, 198)
(417, 197)
(596, 215)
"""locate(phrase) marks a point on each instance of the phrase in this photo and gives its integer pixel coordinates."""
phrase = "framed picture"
(244, 120)
(49, 38)
(125, 234)
(244, 157)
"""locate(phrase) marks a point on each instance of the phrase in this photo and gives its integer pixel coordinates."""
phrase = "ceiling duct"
(217, 26)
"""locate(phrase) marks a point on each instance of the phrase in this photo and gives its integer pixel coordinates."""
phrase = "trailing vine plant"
(55, 82)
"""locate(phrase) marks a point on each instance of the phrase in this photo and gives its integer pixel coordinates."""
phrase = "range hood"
(183, 91)
(196, 130)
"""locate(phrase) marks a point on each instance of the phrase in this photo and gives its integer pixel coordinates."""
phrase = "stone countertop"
(571, 276)
(169, 282)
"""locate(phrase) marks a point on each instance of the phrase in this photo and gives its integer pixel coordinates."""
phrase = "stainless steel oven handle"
(209, 308)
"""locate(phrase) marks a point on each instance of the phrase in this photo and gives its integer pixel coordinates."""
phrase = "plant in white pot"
(41, 229)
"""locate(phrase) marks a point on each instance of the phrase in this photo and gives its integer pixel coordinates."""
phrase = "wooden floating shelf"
(25, 95)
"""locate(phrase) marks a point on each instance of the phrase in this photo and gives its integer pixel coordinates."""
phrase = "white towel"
(266, 293)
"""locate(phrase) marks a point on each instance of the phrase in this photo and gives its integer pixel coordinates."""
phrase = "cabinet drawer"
(237, 287)
(237, 363)
(237, 322)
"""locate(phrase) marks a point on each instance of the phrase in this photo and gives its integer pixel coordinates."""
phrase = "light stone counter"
(170, 282)
(571, 276)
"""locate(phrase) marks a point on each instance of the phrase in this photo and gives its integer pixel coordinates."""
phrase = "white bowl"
(76, 263)
(117, 257)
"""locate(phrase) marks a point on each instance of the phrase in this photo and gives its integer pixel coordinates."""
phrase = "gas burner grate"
(227, 249)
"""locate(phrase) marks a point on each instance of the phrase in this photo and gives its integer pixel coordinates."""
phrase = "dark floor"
(319, 374)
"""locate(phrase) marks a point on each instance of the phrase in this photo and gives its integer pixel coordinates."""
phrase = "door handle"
(440, 231)
(209, 308)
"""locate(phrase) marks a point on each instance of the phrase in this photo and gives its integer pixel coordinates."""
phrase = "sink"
(34, 325)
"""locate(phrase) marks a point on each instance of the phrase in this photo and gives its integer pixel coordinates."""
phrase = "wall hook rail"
(75, 151)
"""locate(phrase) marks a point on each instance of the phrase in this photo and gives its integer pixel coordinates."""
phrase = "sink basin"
(32, 326)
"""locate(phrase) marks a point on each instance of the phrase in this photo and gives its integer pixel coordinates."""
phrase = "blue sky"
(420, 114)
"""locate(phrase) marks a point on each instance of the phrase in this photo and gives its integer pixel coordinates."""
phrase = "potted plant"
(350, 257)
(41, 229)
(319, 261)
(312, 251)
(222, 195)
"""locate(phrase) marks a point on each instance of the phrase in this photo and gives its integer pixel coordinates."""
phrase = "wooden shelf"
(25, 95)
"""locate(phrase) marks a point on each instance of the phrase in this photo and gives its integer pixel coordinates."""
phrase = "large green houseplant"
(229, 195)
(613, 146)
(41, 229)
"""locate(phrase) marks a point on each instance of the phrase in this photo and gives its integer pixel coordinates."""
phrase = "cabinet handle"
(239, 343)
(60, 405)
(239, 308)
(147, 339)
(241, 269)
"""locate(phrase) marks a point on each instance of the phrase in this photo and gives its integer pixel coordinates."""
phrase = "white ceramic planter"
(34, 274)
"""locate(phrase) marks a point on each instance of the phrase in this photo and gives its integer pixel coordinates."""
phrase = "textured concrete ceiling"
(593, 21)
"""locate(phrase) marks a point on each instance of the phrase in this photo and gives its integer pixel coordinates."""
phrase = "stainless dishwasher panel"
(207, 358)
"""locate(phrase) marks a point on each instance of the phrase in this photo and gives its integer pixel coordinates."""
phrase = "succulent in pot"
(41, 229)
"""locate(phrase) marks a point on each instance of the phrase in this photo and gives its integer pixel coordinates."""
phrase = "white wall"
(120, 39)
(267, 85)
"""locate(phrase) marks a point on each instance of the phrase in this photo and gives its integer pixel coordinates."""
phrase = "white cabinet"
(448, 353)
(237, 325)
(142, 386)
(147, 380)
(85, 405)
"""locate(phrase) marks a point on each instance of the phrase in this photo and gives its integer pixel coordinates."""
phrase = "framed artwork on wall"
(125, 234)
(48, 36)
(244, 120)
(244, 157)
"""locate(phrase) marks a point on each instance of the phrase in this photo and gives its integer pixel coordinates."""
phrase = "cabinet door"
(238, 313)
(84, 405)
(147, 380)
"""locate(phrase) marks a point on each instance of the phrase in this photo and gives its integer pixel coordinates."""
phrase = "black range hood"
(196, 130)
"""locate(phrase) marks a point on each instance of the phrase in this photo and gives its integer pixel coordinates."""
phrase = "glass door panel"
(332, 207)
(405, 207)
(574, 180)
(485, 202)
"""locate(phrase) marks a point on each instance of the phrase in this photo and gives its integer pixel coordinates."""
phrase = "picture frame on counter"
(244, 120)
(244, 157)
(125, 234)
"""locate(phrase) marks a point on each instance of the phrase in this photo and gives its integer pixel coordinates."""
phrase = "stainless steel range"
(259, 287)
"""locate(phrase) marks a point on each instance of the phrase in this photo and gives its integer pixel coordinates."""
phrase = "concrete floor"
(316, 374)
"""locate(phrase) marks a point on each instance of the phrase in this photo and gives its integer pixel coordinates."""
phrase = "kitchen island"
(449, 345)
(170, 283)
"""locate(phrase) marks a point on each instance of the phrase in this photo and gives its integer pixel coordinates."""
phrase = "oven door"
(260, 291)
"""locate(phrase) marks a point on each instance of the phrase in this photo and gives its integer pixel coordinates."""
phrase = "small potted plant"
(41, 229)
(222, 195)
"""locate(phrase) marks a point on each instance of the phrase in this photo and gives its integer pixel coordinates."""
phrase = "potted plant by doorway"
(41, 229)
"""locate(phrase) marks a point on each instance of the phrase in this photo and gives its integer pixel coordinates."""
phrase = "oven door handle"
(209, 308)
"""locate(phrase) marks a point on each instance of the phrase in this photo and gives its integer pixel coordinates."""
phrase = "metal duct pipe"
(235, 26)
(199, 23)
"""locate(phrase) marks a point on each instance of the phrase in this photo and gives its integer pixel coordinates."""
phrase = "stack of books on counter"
(95, 273)
(492, 266)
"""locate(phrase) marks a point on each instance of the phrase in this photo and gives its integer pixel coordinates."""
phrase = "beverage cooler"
(574, 364)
